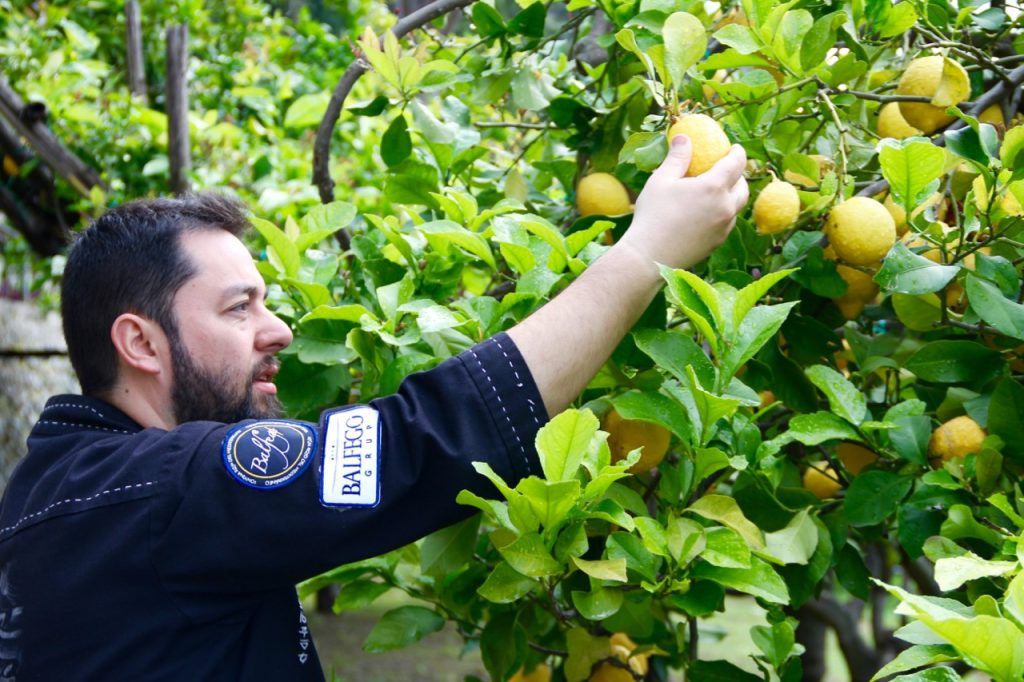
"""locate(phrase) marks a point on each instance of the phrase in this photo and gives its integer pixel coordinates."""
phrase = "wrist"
(638, 261)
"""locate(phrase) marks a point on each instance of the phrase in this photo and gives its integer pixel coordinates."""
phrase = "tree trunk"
(133, 46)
(178, 152)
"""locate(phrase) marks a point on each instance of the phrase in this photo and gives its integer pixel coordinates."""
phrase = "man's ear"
(140, 342)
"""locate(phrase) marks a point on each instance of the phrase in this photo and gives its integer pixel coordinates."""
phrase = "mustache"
(267, 365)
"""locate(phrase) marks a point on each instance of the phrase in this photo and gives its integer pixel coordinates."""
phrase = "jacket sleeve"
(262, 504)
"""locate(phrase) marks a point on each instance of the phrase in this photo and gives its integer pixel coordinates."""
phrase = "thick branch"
(998, 93)
(178, 146)
(860, 658)
(322, 146)
(133, 47)
(45, 143)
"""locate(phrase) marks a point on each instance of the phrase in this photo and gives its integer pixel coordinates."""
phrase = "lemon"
(958, 437)
(542, 673)
(892, 124)
(707, 139)
(899, 214)
(1008, 202)
(11, 166)
(993, 116)
(602, 194)
(861, 231)
(822, 481)
(941, 79)
(776, 207)
(621, 647)
(767, 398)
(855, 457)
(626, 435)
(860, 288)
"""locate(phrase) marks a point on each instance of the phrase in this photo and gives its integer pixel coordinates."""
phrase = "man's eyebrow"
(247, 290)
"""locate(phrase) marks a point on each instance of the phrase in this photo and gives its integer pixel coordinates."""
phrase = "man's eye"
(241, 307)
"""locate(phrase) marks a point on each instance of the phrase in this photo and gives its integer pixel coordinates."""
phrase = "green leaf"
(528, 555)
(585, 650)
(449, 549)
(910, 166)
(789, 37)
(358, 594)
(685, 539)
(978, 143)
(874, 495)
(655, 408)
(916, 656)
(645, 150)
(1004, 417)
(603, 569)
(906, 272)
(760, 580)
(281, 250)
(990, 644)
(705, 319)
(749, 295)
(1013, 145)
(902, 17)
(843, 397)
(551, 501)
(307, 110)
(740, 38)
(759, 326)
(725, 548)
(812, 429)
(351, 313)
(775, 641)
(674, 352)
(563, 442)
(324, 220)
(396, 144)
(505, 585)
(685, 43)
(653, 535)
(638, 559)
(988, 301)
(724, 509)
(820, 39)
(797, 542)
(719, 671)
(598, 604)
(502, 644)
(952, 572)
(952, 362)
(401, 627)
(449, 232)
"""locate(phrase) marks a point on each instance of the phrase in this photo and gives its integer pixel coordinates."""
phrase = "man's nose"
(275, 334)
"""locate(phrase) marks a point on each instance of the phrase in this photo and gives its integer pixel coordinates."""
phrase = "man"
(159, 522)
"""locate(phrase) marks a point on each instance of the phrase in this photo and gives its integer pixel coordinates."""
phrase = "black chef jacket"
(145, 554)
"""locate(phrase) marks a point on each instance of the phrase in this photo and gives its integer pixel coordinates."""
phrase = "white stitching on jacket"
(82, 407)
(130, 486)
(84, 426)
(522, 448)
(520, 381)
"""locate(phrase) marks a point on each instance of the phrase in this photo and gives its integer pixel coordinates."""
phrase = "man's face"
(222, 354)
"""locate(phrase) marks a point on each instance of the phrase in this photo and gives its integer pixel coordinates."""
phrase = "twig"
(322, 145)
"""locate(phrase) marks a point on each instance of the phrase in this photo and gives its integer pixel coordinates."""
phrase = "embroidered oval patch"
(268, 453)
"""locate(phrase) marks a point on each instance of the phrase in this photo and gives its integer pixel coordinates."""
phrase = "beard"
(199, 394)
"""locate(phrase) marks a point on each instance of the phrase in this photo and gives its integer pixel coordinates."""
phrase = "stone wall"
(33, 366)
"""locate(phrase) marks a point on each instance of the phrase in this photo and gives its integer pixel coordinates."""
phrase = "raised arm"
(678, 222)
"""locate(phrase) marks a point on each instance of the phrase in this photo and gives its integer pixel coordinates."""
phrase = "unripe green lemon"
(707, 139)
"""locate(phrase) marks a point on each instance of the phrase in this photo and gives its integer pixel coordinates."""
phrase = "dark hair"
(130, 261)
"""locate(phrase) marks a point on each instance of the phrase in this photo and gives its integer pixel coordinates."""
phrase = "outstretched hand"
(680, 220)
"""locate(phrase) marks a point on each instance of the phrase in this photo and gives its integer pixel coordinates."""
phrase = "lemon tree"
(823, 418)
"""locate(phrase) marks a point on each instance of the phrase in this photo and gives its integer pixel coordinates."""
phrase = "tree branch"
(860, 658)
(1000, 91)
(322, 146)
(45, 143)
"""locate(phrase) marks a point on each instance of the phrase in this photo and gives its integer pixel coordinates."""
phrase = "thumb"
(680, 151)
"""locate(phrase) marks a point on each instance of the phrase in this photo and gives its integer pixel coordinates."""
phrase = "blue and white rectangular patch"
(350, 473)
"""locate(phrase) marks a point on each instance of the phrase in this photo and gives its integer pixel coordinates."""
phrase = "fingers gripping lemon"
(708, 139)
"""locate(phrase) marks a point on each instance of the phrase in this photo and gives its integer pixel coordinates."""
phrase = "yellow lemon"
(1008, 202)
(899, 214)
(776, 207)
(860, 289)
(626, 435)
(707, 139)
(822, 481)
(542, 673)
(621, 647)
(11, 166)
(861, 231)
(993, 116)
(941, 79)
(855, 457)
(602, 194)
(892, 124)
(958, 437)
